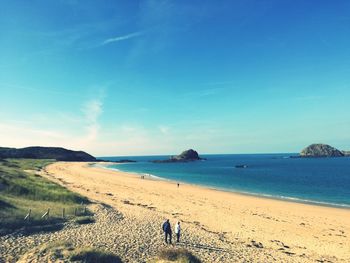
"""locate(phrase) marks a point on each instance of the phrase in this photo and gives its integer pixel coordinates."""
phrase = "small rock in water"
(241, 166)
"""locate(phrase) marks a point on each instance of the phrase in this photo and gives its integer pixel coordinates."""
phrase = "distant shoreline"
(238, 222)
(105, 165)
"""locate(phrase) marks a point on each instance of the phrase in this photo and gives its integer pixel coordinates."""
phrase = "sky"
(159, 76)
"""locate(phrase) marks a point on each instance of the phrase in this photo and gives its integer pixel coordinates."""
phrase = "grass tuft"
(89, 255)
(84, 220)
(177, 255)
(63, 251)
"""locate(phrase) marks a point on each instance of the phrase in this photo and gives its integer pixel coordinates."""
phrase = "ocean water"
(322, 181)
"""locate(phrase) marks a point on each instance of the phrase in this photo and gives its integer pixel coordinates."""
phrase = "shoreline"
(243, 227)
(226, 190)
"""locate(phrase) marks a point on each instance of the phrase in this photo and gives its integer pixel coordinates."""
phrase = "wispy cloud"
(92, 110)
(122, 38)
(164, 129)
(73, 131)
(204, 93)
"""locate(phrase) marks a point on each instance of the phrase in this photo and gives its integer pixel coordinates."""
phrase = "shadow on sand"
(203, 246)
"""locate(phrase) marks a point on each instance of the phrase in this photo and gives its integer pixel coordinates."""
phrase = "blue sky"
(158, 77)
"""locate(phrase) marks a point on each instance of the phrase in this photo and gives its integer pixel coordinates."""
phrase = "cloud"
(57, 129)
(77, 36)
(92, 110)
(122, 38)
(204, 93)
(128, 128)
(13, 134)
(164, 129)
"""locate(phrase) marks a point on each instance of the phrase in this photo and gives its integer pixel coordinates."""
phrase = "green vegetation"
(55, 153)
(176, 255)
(84, 220)
(67, 252)
(22, 189)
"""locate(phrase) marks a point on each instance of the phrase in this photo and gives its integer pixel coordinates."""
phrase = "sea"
(319, 181)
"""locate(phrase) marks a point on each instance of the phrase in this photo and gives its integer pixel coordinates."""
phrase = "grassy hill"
(21, 189)
(37, 152)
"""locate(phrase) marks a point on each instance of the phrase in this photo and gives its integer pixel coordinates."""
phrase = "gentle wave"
(276, 197)
(297, 200)
(135, 173)
(106, 166)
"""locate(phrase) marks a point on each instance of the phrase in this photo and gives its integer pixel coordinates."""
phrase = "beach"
(217, 226)
(294, 232)
(229, 118)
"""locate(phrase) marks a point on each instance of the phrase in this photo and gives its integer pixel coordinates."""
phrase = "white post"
(27, 217)
(47, 214)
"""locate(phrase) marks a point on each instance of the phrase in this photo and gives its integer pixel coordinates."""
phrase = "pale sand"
(222, 223)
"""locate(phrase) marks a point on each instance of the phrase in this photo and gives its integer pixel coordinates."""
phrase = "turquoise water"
(323, 181)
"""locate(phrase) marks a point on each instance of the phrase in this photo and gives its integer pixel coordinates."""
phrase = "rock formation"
(346, 153)
(320, 150)
(186, 156)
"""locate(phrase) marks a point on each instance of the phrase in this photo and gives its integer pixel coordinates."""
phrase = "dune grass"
(84, 220)
(90, 255)
(63, 251)
(180, 255)
(22, 189)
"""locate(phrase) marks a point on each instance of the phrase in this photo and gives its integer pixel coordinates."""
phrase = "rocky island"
(346, 153)
(186, 156)
(321, 150)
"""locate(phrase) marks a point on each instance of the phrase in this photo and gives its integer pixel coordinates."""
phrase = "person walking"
(167, 231)
(177, 231)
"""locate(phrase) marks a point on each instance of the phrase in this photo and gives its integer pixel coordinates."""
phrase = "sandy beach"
(217, 226)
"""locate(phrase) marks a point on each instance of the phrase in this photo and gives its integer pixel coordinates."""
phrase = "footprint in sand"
(289, 253)
(257, 244)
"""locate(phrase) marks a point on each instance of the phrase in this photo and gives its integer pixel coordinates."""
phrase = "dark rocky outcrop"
(37, 152)
(125, 161)
(320, 150)
(186, 156)
(116, 161)
(346, 153)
